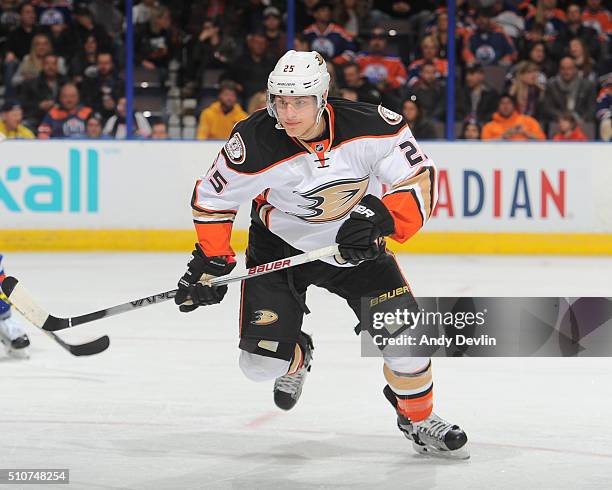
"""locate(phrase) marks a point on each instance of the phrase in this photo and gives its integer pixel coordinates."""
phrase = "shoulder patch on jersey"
(236, 149)
(389, 116)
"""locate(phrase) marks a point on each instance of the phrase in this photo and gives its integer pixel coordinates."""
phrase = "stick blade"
(8, 285)
(89, 349)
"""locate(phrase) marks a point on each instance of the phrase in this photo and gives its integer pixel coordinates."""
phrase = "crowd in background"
(524, 70)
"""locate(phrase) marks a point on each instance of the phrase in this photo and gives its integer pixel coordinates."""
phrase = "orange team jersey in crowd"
(377, 68)
(499, 125)
(303, 191)
(575, 135)
(600, 20)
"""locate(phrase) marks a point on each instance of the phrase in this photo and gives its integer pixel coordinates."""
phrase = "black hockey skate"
(15, 347)
(288, 388)
(434, 435)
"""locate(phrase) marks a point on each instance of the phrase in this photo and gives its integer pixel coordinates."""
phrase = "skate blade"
(458, 454)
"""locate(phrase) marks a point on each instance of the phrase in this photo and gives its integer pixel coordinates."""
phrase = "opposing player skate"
(288, 388)
(13, 337)
(434, 435)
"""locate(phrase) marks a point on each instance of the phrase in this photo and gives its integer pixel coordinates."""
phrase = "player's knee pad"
(406, 364)
(261, 368)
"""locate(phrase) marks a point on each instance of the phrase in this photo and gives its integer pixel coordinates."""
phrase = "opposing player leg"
(12, 334)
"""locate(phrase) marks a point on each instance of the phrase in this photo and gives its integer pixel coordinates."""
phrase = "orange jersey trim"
(214, 238)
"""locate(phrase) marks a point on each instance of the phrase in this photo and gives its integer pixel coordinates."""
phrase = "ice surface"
(166, 407)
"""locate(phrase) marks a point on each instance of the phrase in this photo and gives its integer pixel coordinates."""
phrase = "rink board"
(531, 198)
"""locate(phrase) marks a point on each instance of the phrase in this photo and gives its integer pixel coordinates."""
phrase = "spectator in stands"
(584, 63)
(386, 72)
(38, 96)
(421, 126)
(102, 90)
(366, 92)
(257, 102)
(52, 12)
(18, 43)
(300, 43)
(154, 44)
(159, 130)
(85, 61)
(476, 99)
(526, 90)
(508, 19)
(304, 14)
(108, 16)
(250, 71)
(430, 51)
(470, 130)
(430, 92)
(328, 38)
(439, 31)
(575, 28)
(32, 63)
(351, 15)
(604, 110)
(597, 17)
(93, 127)
(552, 18)
(62, 36)
(334, 89)
(218, 119)
(213, 49)
(402, 9)
(569, 130)
(116, 126)
(11, 117)
(509, 125)
(276, 37)
(84, 26)
(142, 13)
(568, 92)
(66, 119)
(349, 94)
(546, 67)
(488, 44)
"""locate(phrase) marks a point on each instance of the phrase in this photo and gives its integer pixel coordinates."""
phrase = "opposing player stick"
(87, 349)
(24, 303)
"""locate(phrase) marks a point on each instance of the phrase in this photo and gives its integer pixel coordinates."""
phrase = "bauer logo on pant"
(264, 317)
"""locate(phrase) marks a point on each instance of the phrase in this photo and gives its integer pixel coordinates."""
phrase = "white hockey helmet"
(299, 73)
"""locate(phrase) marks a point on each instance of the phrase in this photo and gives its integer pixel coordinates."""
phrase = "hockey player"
(314, 170)
(12, 335)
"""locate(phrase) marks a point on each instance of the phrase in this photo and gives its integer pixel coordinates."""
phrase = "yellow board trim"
(426, 242)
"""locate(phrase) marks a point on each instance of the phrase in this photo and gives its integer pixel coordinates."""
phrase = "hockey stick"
(40, 318)
(87, 349)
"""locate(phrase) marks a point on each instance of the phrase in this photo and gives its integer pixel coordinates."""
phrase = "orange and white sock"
(414, 392)
(298, 360)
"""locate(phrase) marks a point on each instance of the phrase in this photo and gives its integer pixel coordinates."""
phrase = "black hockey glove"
(360, 237)
(191, 290)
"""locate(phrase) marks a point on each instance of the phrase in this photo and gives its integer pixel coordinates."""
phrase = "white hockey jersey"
(303, 191)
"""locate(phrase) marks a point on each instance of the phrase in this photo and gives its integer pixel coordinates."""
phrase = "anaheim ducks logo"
(264, 317)
(333, 200)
